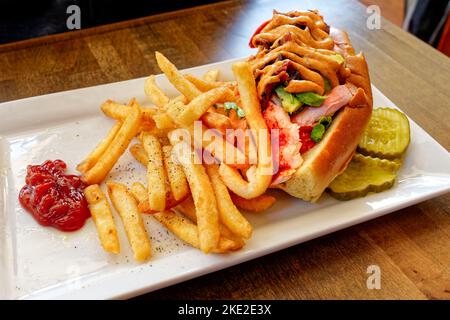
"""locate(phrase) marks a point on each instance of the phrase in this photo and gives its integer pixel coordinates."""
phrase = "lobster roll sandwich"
(316, 91)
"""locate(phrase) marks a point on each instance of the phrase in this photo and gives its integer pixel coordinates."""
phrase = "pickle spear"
(387, 134)
(364, 174)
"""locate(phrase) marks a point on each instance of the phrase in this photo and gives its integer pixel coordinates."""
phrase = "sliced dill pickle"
(364, 174)
(387, 134)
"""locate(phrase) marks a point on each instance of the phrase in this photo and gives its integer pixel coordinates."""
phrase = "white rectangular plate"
(39, 262)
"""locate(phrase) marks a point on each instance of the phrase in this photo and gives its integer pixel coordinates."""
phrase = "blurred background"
(427, 19)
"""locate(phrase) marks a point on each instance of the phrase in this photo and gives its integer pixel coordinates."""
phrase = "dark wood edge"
(69, 35)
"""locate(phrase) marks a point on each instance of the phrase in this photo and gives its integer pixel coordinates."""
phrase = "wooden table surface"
(411, 246)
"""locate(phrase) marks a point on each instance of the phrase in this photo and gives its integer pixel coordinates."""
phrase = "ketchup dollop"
(54, 198)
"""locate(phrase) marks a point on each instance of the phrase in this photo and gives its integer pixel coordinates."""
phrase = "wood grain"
(411, 246)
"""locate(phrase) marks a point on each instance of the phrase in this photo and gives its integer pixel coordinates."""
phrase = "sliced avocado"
(288, 101)
(310, 98)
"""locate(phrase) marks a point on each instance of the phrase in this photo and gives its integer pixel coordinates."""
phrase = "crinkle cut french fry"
(103, 218)
(126, 206)
(116, 148)
(95, 155)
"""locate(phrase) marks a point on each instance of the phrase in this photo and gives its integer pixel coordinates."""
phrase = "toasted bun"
(332, 155)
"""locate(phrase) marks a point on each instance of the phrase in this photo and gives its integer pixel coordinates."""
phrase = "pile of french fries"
(198, 202)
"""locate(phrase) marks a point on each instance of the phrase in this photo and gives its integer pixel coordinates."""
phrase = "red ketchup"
(305, 139)
(54, 198)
